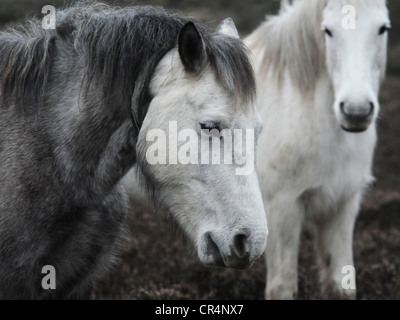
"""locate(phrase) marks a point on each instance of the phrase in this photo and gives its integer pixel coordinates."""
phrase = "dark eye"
(328, 32)
(209, 125)
(383, 29)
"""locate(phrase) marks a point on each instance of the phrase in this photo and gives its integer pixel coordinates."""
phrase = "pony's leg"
(334, 244)
(284, 220)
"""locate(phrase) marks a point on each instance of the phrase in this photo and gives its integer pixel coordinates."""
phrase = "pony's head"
(356, 44)
(202, 89)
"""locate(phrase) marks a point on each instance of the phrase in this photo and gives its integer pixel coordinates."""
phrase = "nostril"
(211, 248)
(343, 109)
(372, 108)
(240, 246)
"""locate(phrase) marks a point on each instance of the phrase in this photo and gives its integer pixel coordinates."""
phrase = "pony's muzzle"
(356, 117)
(236, 251)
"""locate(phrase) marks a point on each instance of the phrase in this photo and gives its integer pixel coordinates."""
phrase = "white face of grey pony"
(219, 210)
(356, 44)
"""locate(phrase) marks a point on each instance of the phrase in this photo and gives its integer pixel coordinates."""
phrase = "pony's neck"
(98, 137)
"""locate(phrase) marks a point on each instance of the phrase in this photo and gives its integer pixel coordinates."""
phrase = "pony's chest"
(312, 155)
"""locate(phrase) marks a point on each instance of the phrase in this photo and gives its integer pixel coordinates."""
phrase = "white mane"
(292, 41)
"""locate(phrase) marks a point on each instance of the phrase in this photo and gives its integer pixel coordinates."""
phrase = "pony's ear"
(191, 48)
(227, 27)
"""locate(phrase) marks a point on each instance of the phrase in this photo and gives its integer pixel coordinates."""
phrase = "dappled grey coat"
(68, 130)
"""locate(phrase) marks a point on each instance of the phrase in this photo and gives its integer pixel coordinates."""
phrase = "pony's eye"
(209, 125)
(383, 29)
(328, 32)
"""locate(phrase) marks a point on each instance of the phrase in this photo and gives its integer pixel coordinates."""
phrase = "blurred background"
(157, 264)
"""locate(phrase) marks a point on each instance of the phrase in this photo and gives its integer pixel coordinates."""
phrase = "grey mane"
(115, 45)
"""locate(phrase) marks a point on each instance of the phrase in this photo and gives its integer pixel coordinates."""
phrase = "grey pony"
(68, 133)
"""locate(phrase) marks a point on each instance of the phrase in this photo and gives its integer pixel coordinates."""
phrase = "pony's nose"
(357, 113)
(356, 117)
(234, 253)
(238, 255)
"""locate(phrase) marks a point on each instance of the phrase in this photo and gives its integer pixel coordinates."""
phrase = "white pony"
(319, 66)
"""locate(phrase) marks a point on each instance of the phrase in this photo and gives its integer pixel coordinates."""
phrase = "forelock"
(230, 60)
